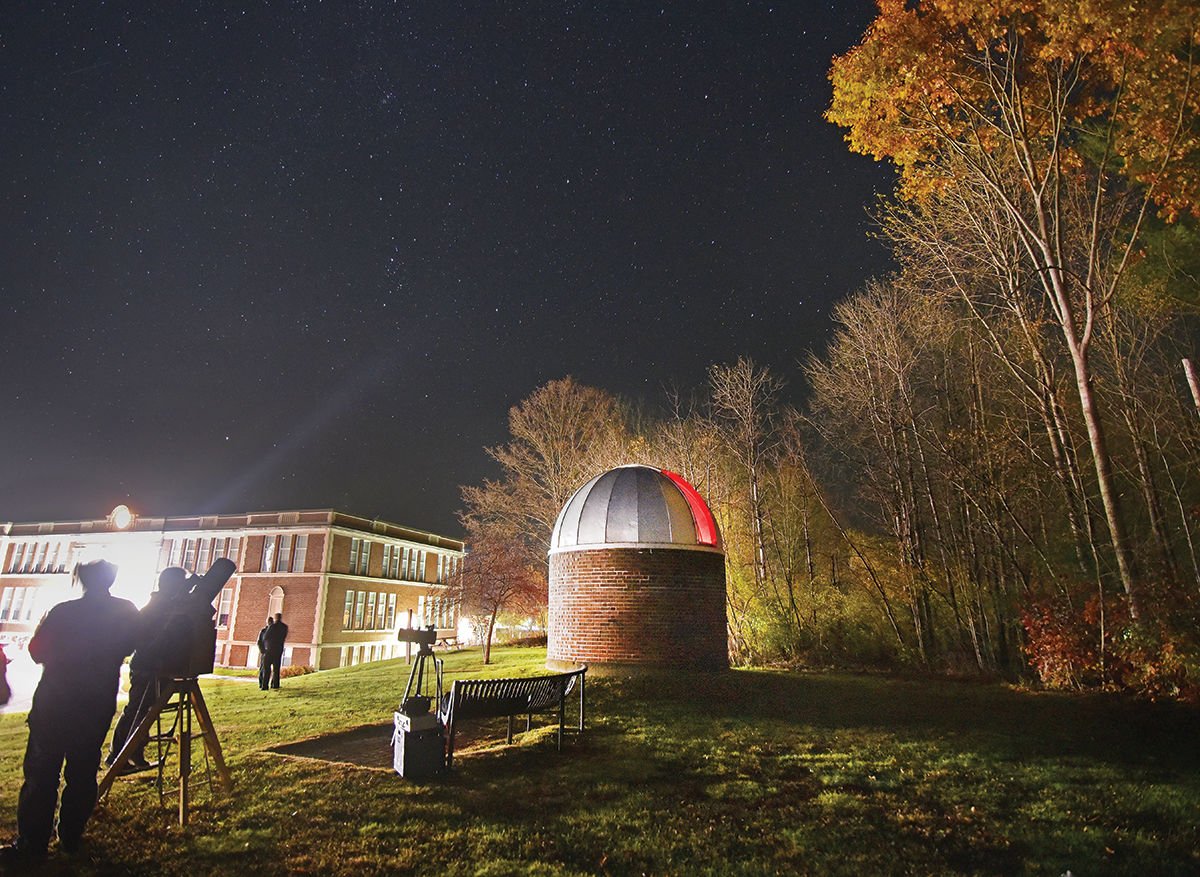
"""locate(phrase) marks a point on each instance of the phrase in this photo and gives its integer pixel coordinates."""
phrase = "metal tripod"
(178, 701)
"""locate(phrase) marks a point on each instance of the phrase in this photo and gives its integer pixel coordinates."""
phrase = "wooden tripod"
(181, 696)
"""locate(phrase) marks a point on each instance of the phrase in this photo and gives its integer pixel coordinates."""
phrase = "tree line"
(995, 469)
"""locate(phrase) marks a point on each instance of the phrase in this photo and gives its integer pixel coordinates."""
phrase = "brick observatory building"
(637, 576)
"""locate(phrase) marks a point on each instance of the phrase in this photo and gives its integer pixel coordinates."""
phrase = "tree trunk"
(487, 640)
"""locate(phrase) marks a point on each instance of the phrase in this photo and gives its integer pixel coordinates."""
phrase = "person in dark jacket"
(264, 669)
(274, 639)
(5, 691)
(144, 666)
(81, 645)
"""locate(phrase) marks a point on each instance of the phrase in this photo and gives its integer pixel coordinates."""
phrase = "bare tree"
(495, 578)
(1063, 122)
(744, 400)
(563, 434)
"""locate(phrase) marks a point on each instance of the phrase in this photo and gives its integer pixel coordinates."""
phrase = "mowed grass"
(747, 772)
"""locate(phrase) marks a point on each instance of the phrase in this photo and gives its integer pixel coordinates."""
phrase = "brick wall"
(299, 605)
(658, 606)
(316, 553)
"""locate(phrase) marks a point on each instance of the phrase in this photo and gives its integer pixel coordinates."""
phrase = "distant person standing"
(274, 639)
(5, 691)
(264, 669)
(81, 644)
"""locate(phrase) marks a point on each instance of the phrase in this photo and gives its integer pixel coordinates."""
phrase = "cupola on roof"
(636, 505)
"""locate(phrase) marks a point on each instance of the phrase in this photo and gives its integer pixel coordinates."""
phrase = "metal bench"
(493, 698)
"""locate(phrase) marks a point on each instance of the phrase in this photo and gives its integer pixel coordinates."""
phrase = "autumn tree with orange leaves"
(1076, 121)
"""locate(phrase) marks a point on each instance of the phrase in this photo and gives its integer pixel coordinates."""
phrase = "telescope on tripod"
(183, 650)
(419, 740)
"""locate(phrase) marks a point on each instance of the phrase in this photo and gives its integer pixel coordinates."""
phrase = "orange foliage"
(1157, 657)
(958, 77)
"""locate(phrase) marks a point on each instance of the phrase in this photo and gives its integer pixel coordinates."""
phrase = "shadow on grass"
(1008, 722)
(679, 773)
(1109, 728)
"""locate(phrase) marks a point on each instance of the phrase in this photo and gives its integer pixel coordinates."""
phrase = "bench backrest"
(477, 698)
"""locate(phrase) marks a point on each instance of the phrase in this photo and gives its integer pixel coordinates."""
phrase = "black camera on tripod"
(425, 637)
(416, 700)
(418, 740)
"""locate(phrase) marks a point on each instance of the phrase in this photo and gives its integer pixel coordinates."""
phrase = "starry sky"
(306, 255)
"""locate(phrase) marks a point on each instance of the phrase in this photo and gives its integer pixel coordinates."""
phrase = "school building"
(344, 584)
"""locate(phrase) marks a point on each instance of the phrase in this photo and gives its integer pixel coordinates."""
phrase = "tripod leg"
(185, 750)
(138, 738)
(210, 737)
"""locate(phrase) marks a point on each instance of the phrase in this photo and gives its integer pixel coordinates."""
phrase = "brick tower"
(637, 576)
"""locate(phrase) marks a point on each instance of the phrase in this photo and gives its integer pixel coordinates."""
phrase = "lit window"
(18, 598)
(359, 605)
(268, 555)
(283, 556)
(370, 623)
(225, 607)
(391, 612)
(348, 612)
(301, 553)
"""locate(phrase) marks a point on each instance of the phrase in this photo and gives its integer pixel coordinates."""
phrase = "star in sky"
(308, 255)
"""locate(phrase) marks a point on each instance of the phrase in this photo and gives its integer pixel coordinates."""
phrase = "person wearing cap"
(80, 645)
(144, 666)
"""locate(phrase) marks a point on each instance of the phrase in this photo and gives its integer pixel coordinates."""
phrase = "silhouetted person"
(264, 671)
(273, 657)
(81, 644)
(146, 661)
(5, 691)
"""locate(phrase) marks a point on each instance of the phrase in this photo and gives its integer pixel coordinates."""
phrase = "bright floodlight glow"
(121, 517)
(136, 557)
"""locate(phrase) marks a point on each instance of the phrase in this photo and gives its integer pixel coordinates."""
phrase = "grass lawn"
(748, 772)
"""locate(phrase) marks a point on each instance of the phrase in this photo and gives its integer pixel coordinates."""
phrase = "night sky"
(308, 255)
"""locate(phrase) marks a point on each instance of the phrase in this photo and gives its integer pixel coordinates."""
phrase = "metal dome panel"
(636, 505)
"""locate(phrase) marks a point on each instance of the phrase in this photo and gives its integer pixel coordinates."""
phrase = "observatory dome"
(637, 576)
(636, 505)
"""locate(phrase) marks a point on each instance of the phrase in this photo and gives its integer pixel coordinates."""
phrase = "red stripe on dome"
(706, 526)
